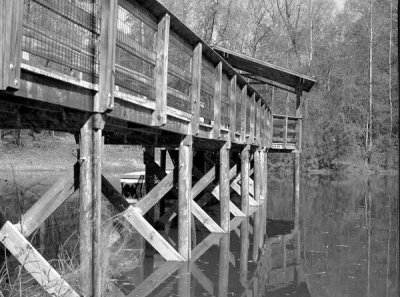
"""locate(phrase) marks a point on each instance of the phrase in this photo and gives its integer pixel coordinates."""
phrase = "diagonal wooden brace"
(34, 263)
(48, 203)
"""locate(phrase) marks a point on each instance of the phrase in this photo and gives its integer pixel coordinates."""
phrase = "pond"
(346, 245)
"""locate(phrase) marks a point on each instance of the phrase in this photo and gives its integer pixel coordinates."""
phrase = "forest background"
(351, 114)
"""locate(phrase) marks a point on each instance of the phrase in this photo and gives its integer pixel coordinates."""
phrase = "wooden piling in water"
(224, 183)
(296, 189)
(245, 164)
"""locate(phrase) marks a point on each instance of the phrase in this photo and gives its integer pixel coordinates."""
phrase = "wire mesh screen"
(135, 56)
(62, 36)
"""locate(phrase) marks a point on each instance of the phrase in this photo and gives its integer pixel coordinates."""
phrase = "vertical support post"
(299, 115)
(232, 107)
(285, 127)
(252, 118)
(163, 165)
(257, 175)
(296, 188)
(224, 184)
(217, 100)
(149, 180)
(258, 134)
(97, 238)
(263, 126)
(224, 265)
(184, 280)
(85, 207)
(159, 117)
(271, 129)
(245, 164)
(104, 99)
(11, 15)
(196, 88)
(184, 197)
(243, 115)
(244, 251)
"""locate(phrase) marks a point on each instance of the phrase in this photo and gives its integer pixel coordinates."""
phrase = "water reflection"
(346, 246)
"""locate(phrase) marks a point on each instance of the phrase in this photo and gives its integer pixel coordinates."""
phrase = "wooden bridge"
(130, 72)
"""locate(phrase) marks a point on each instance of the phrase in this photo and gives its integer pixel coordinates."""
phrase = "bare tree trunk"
(370, 80)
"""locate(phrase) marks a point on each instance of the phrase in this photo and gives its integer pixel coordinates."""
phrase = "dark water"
(346, 245)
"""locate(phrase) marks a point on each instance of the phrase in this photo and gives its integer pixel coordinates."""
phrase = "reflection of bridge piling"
(161, 86)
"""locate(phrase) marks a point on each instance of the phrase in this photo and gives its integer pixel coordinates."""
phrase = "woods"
(351, 116)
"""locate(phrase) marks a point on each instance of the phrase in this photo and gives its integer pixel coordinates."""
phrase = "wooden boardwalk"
(129, 72)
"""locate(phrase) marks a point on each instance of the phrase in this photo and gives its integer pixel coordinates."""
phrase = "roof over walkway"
(267, 70)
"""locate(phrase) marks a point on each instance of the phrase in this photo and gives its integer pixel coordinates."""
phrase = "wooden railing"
(286, 132)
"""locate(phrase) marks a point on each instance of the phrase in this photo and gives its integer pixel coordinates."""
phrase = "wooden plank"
(134, 217)
(258, 123)
(47, 204)
(285, 134)
(257, 175)
(224, 186)
(11, 15)
(217, 100)
(232, 107)
(153, 281)
(185, 197)
(86, 207)
(97, 265)
(245, 164)
(34, 263)
(252, 118)
(205, 219)
(223, 269)
(159, 117)
(203, 183)
(244, 103)
(196, 88)
(104, 99)
(204, 245)
(237, 188)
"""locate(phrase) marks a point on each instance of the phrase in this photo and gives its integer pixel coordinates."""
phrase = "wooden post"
(104, 99)
(243, 115)
(161, 72)
(224, 183)
(285, 132)
(86, 207)
(256, 233)
(163, 165)
(296, 189)
(245, 179)
(252, 118)
(244, 251)
(258, 129)
(299, 115)
(148, 157)
(196, 88)
(232, 107)
(97, 238)
(224, 265)
(185, 197)
(11, 15)
(217, 100)
(257, 175)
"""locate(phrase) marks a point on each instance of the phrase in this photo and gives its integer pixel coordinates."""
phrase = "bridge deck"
(143, 68)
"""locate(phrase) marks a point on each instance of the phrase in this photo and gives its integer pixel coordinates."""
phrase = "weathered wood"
(258, 123)
(204, 245)
(196, 88)
(205, 219)
(184, 280)
(97, 210)
(285, 133)
(159, 117)
(47, 204)
(232, 107)
(256, 233)
(134, 217)
(203, 280)
(257, 175)
(245, 164)
(104, 99)
(11, 15)
(244, 251)
(223, 280)
(296, 189)
(243, 107)
(86, 207)
(154, 280)
(217, 100)
(224, 186)
(34, 263)
(203, 183)
(252, 118)
(185, 197)
(158, 192)
(237, 188)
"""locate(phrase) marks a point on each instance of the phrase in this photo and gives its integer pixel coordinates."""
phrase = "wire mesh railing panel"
(62, 36)
(135, 57)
